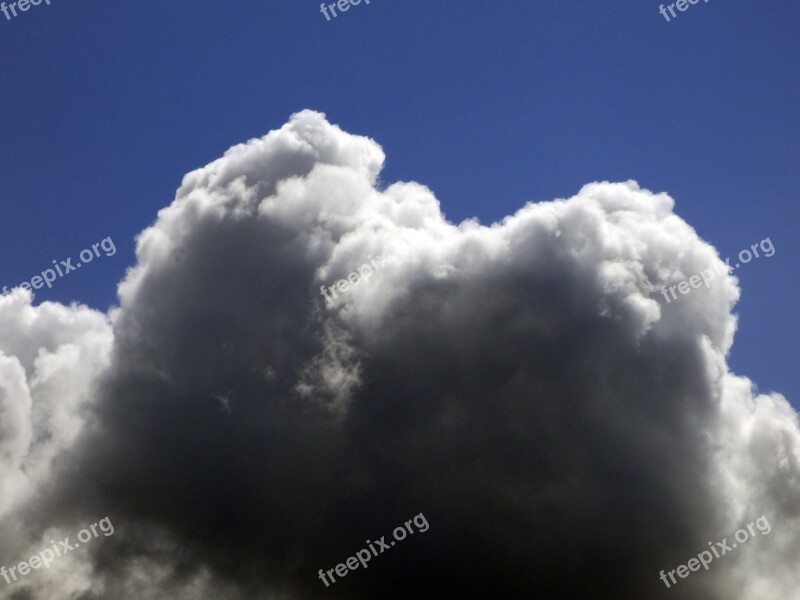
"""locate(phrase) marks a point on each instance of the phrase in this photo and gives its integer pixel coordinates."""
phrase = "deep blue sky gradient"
(105, 105)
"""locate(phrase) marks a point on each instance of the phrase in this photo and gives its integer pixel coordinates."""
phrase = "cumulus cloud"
(525, 385)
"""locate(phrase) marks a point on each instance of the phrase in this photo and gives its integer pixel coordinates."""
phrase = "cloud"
(49, 357)
(525, 385)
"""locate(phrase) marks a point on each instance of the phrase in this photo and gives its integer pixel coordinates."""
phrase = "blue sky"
(107, 105)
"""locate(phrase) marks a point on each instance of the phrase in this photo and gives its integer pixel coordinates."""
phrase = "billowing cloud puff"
(49, 357)
(303, 359)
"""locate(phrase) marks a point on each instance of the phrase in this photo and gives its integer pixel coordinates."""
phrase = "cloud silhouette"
(525, 385)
